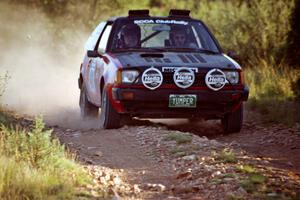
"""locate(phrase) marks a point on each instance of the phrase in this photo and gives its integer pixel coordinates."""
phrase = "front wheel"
(109, 118)
(232, 123)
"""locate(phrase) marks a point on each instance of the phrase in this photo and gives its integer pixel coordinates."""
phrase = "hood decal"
(200, 58)
(183, 58)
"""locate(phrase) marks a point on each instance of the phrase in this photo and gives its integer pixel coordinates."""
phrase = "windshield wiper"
(162, 49)
(128, 49)
(207, 51)
(191, 49)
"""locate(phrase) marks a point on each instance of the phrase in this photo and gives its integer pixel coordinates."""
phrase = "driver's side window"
(104, 39)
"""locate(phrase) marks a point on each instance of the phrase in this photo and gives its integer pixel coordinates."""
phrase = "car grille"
(199, 79)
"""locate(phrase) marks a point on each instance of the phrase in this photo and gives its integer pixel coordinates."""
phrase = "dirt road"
(177, 159)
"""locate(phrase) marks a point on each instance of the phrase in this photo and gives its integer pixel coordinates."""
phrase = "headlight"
(128, 76)
(232, 77)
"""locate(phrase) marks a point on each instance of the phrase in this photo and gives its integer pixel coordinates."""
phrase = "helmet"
(130, 30)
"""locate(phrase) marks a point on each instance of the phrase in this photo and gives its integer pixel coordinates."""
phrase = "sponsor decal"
(172, 69)
(160, 21)
(152, 78)
(215, 79)
(184, 77)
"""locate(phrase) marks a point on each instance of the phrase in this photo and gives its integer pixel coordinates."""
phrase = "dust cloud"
(43, 67)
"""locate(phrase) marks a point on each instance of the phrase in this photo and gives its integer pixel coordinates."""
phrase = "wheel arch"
(80, 81)
(102, 83)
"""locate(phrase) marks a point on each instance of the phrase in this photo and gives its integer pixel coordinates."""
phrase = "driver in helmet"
(130, 36)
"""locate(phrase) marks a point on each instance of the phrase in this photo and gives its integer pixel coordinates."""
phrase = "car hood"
(176, 59)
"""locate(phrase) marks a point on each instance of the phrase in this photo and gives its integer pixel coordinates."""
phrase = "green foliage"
(227, 155)
(34, 166)
(273, 86)
(231, 196)
(255, 183)
(20, 181)
(246, 169)
(254, 29)
(5, 117)
(257, 178)
(271, 81)
(179, 138)
(178, 152)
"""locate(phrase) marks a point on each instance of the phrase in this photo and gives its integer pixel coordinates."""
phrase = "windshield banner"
(160, 21)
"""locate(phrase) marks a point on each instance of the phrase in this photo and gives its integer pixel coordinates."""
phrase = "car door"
(97, 66)
(89, 64)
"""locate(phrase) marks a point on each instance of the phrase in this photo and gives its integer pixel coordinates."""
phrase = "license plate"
(182, 100)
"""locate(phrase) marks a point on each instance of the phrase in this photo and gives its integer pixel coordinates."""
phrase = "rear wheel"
(87, 110)
(232, 123)
(109, 118)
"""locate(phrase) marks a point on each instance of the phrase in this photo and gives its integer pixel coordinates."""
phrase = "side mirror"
(93, 54)
(233, 55)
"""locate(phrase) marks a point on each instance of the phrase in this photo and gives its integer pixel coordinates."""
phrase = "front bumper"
(142, 102)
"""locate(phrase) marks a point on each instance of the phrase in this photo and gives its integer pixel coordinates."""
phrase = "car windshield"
(163, 34)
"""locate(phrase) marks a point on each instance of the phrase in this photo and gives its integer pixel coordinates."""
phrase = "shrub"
(34, 166)
(179, 138)
(255, 29)
(227, 155)
(271, 81)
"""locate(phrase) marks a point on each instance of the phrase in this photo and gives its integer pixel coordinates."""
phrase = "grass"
(255, 182)
(257, 178)
(179, 138)
(231, 196)
(227, 155)
(5, 117)
(178, 152)
(271, 81)
(35, 166)
(273, 93)
(246, 169)
(229, 175)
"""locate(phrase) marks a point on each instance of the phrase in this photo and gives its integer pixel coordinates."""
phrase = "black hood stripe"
(200, 58)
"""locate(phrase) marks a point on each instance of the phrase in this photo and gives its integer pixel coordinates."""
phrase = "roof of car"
(173, 14)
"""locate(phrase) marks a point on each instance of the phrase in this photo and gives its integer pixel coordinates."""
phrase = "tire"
(232, 123)
(87, 109)
(126, 120)
(109, 118)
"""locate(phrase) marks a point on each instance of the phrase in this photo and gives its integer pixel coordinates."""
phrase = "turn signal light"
(118, 79)
(128, 95)
(242, 77)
